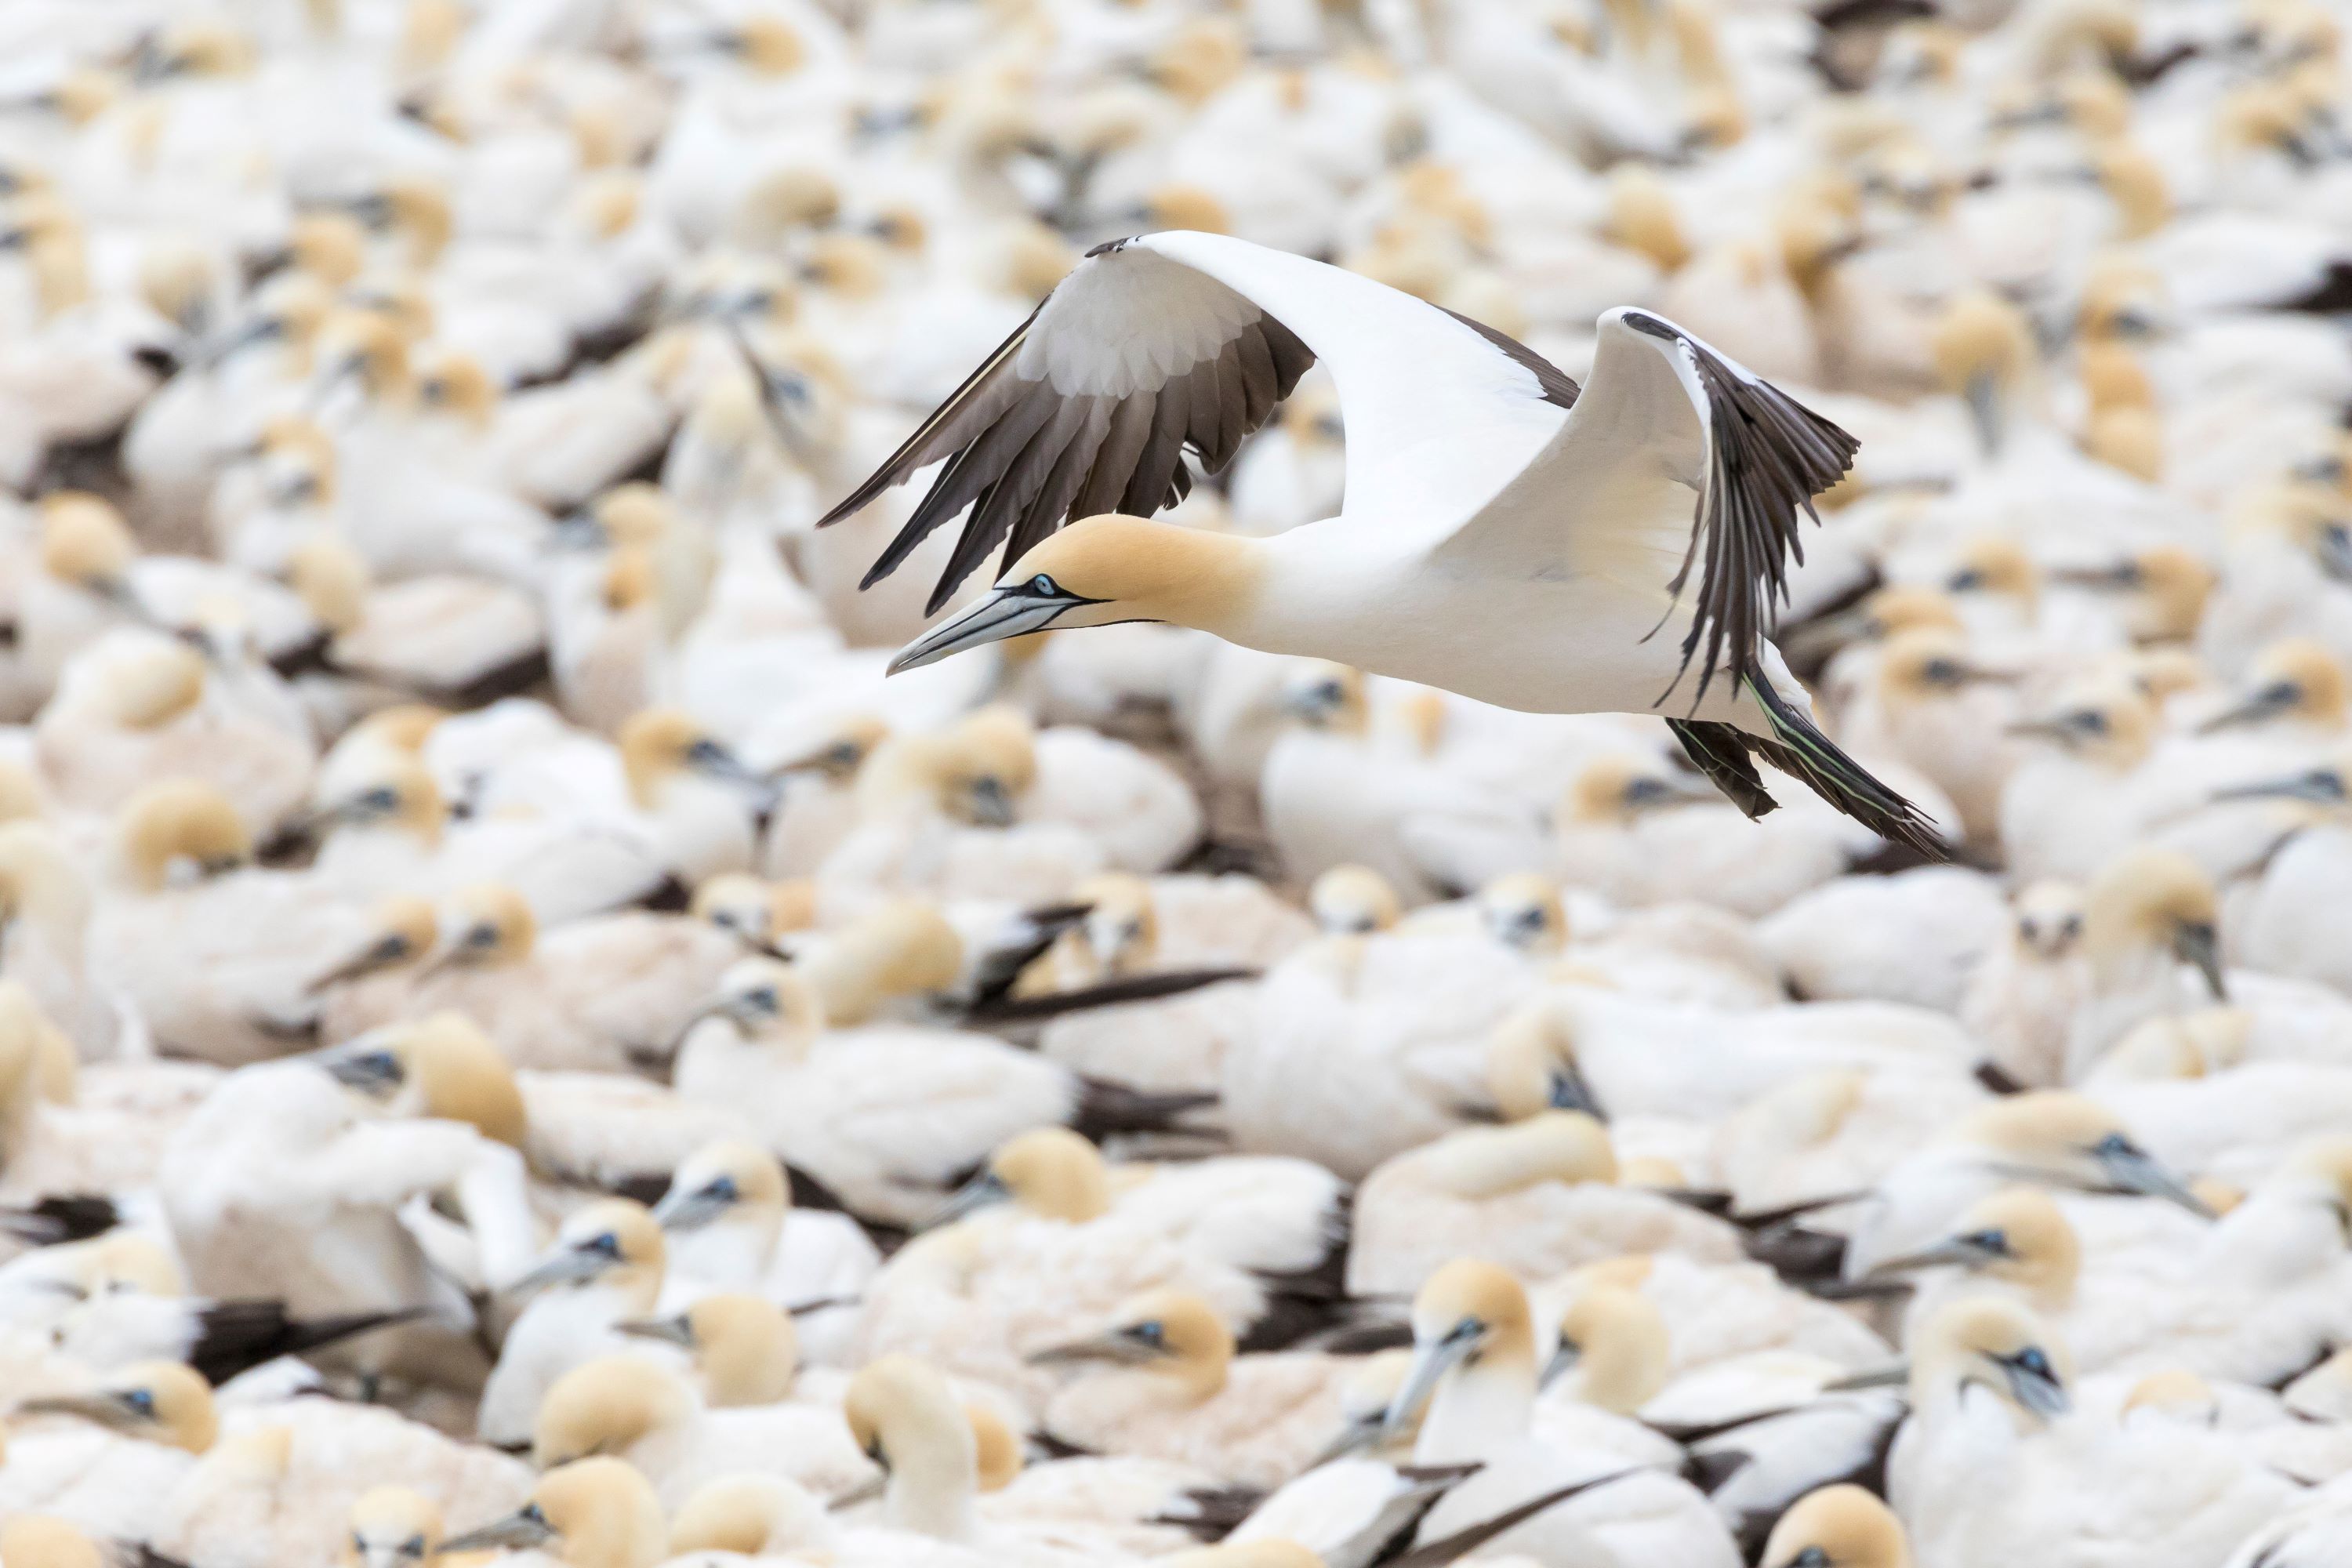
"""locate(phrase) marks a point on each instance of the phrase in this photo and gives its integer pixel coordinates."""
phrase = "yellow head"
(1985, 1343)
(591, 1513)
(1615, 1341)
(1352, 900)
(1172, 1333)
(1841, 1526)
(178, 823)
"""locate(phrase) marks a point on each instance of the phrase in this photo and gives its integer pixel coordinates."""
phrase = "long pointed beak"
(102, 1408)
(1430, 1362)
(2321, 786)
(566, 1268)
(674, 1330)
(2136, 1170)
(2196, 942)
(984, 1191)
(681, 1210)
(1949, 1252)
(863, 1491)
(519, 1531)
(2043, 729)
(1005, 613)
(388, 951)
(2268, 703)
(1563, 1361)
(2334, 551)
(2044, 1396)
(1115, 1348)
(1570, 1090)
(1354, 1438)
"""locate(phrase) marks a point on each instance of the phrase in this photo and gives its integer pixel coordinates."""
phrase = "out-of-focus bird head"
(85, 543)
(162, 1402)
(906, 1421)
(393, 1527)
(1613, 1341)
(733, 1182)
(489, 925)
(1621, 788)
(1468, 1317)
(753, 911)
(2151, 903)
(2298, 680)
(769, 1002)
(1049, 1172)
(1522, 909)
(176, 828)
(2047, 920)
(2108, 722)
(1988, 1344)
(1172, 1333)
(2063, 1140)
(1841, 1526)
(749, 1515)
(611, 1243)
(660, 745)
(744, 1347)
(2017, 1236)
(1353, 900)
(596, 1513)
(1929, 663)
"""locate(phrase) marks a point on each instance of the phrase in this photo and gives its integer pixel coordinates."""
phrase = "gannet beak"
(2267, 703)
(691, 1210)
(106, 1410)
(1354, 1438)
(569, 1266)
(674, 1330)
(1563, 1360)
(2040, 1392)
(1007, 612)
(1951, 1252)
(519, 1531)
(2321, 786)
(1568, 1090)
(2134, 1170)
(2196, 942)
(863, 1491)
(373, 1073)
(982, 1191)
(1429, 1364)
(1118, 1349)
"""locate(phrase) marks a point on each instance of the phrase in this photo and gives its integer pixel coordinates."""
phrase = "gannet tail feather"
(1805, 754)
(1721, 751)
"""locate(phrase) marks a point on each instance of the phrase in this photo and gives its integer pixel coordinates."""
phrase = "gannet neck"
(1483, 1405)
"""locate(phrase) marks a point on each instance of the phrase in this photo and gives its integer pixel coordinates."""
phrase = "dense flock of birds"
(517, 1044)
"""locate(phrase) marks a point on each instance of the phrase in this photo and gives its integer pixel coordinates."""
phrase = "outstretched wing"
(1675, 459)
(1170, 341)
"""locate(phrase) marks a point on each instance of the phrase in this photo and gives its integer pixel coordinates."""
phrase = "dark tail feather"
(240, 1335)
(70, 1218)
(1104, 1108)
(1720, 752)
(1110, 993)
(1215, 1512)
(1809, 757)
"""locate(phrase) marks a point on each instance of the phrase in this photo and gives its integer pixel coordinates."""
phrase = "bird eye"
(140, 1400)
(1043, 585)
(1151, 1333)
(1643, 791)
(383, 797)
(846, 753)
(1941, 672)
(722, 1189)
(1992, 1241)
(2113, 1146)
(765, 999)
(414, 1547)
(605, 1245)
(2034, 1361)
(2089, 721)
(1811, 1557)
(1468, 1329)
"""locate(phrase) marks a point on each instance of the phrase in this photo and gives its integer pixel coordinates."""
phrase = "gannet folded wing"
(1181, 340)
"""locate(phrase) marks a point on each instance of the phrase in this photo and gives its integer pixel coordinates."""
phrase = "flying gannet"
(1505, 534)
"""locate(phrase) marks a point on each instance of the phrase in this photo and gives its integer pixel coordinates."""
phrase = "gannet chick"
(1539, 1197)
(639, 1410)
(593, 1514)
(1179, 1393)
(885, 1115)
(604, 1268)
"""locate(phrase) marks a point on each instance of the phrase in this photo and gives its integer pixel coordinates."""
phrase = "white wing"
(1674, 456)
(1179, 340)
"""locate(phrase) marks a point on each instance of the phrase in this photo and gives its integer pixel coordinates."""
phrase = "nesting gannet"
(1441, 525)
(1474, 1366)
(593, 1514)
(1539, 1197)
(124, 1443)
(604, 1268)
(646, 1413)
(1172, 1388)
(1842, 1524)
(885, 1116)
(730, 1226)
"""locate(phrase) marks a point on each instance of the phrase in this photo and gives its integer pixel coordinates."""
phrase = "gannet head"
(1365, 1394)
(1928, 662)
(902, 948)
(85, 543)
(1352, 900)
(396, 793)
(744, 1347)
(402, 930)
(1102, 570)
(2130, 438)
(393, 1527)
(1531, 1066)
(903, 1417)
(591, 1513)
(841, 749)
(178, 825)
(2320, 1174)
(1326, 695)
(1614, 1340)
(2047, 920)
(1121, 929)
(145, 683)
(2123, 301)
(2069, 1140)
(604, 1406)
(1990, 1343)
(2164, 588)
(455, 383)
(1001, 1458)
(2108, 721)
(770, 1002)
(44, 1541)
(731, 1181)
(1466, 1314)
(368, 347)
(2017, 1236)
(974, 772)
(1172, 1332)
(1049, 1172)
(659, 744)
(2298, 678)
(752, 910)
(160, 1401)
(488, 926)
(753, 1516)
(441, 1066)
(1199, 60)
(403, 728)
(1551, 1146)
(2175, 1393)
(613, 1244)
(331, 581)
(2135, 181)
(1642, 216)
(2151, 900)
(1622, 787)
(1841, 1526)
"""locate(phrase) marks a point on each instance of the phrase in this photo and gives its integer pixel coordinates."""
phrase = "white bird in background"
(1468, 451)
